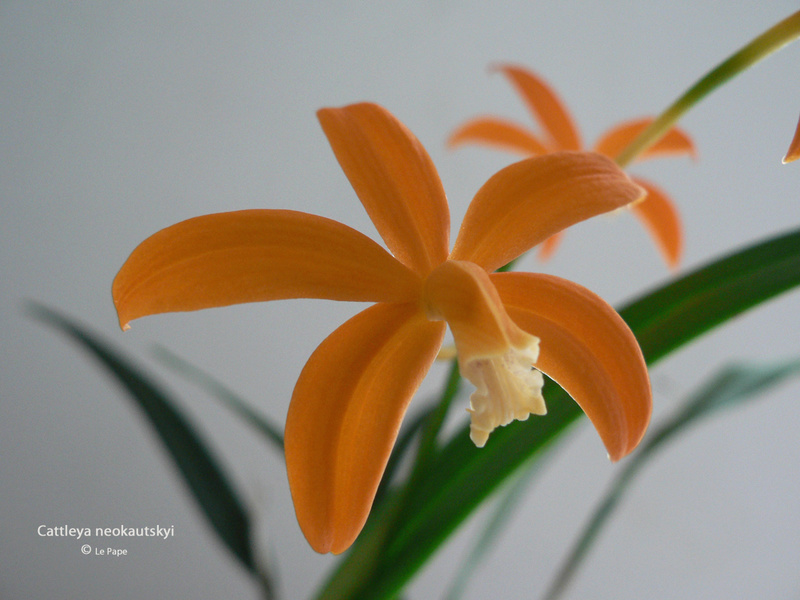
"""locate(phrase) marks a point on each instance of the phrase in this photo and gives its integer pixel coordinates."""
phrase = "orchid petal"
(673, 142)
(548, 247)
(462, 294)
(527, 202)
(252, 256)
(793, 153)
(546, 106)
(395, 180)
(588, 349)
(661, 218)
(345, 414)
(498, 133)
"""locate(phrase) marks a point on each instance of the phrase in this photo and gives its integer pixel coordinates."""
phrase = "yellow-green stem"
(765, 44)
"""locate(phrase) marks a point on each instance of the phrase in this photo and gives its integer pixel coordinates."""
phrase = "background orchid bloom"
(656, 211)
(352, 394)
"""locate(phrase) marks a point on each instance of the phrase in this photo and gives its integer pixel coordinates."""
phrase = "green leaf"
(500, 517)
(200, 471)
(462, 476)
(429, 442)
(408, 434)
(733, 385)
(679, 312)
(230, 399)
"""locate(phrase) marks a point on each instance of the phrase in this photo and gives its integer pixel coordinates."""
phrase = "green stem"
(436, 419)
(765, 44)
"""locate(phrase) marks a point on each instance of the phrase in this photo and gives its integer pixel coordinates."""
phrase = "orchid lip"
(494, 354)
(508, 388)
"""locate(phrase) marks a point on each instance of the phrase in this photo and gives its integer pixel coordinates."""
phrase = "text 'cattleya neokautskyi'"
(656, 211)
(352, 394)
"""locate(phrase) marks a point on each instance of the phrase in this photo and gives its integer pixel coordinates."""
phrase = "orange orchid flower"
(793, 153)
(656, 211)
(351, 396)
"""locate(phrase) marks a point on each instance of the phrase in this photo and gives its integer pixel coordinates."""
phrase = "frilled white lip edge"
(508, 388)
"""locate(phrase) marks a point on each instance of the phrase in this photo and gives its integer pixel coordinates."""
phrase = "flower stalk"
(762, 46)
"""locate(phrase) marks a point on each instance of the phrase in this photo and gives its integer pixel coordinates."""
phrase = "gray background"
(118, 119)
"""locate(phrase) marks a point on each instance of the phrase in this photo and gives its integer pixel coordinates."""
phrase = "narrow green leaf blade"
(200, 471)
(498, 520)
(462, 476)
(408, 433)
(230, 399)
(734, 385)
(682, 310)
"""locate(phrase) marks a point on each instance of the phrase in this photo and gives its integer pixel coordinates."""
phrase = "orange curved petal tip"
(793, 153)
(545, 105)
(253, 256)
(588, 349)
(344, 417)
(661, 219)
(673, 143)
(498, 133)
(529, 201)
(548, 247)
(395, 179)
